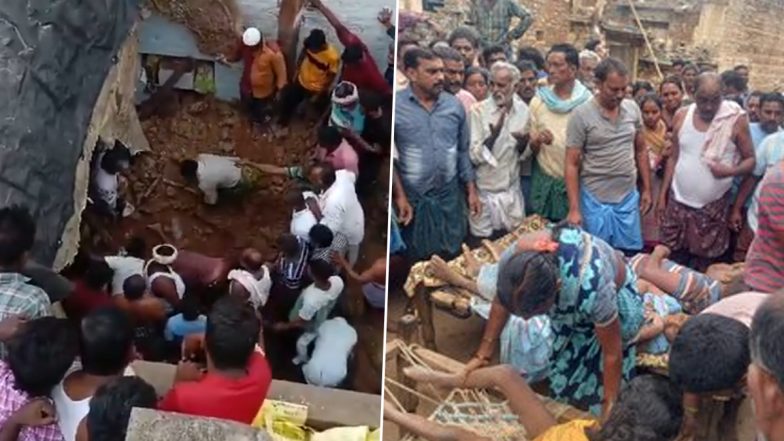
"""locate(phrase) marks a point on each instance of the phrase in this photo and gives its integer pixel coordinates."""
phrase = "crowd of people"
(664, 201)
(68, 340)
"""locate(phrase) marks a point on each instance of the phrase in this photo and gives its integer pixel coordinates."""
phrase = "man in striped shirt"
(293, 260)
(765, 260)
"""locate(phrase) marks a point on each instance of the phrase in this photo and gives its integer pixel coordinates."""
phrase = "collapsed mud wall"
(114, 118)
(54, 60)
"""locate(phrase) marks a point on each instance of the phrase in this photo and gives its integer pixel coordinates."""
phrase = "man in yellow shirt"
(318, 66)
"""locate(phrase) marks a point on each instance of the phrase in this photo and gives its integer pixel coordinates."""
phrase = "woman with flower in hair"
(590, 294)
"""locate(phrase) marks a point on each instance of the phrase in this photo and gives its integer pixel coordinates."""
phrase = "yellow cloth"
(571, 431)
(551, 158)
(655, 140)
(314, 78)
(362, 433)
(268, 73)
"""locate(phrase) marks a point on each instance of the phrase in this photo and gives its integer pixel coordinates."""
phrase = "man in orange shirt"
(264, 73)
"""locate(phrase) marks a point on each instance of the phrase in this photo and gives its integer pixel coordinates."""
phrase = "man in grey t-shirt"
(604, 152)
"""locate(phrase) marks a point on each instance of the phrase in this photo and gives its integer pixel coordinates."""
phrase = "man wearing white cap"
(263, 75)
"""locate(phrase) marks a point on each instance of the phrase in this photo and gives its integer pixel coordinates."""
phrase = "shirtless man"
(162, 280)
(148, 315)
(252, 281)
(373, 280)
(202, 273)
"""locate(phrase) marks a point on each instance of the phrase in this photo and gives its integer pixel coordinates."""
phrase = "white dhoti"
(500, 211)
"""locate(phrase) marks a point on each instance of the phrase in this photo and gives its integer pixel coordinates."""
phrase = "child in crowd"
(654, 133)
(187, 322)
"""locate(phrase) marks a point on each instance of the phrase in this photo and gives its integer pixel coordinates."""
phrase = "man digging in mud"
(220, 175)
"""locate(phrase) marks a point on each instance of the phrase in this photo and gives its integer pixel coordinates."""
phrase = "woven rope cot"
(475, 410)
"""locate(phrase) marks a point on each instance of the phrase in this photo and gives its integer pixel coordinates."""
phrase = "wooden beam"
(647, 40)
(424, 310)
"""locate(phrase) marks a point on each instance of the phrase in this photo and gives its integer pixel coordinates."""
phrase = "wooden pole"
(424, 308)
(407, 327)
(647, 40)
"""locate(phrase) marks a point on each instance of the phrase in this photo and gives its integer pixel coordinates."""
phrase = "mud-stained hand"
(405, 212)
(9, 326)
(36, 412)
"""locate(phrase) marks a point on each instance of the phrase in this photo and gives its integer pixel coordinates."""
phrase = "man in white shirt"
(328, 365)
(302, 219)
(497, 125)
(213, 173)
(105, 185)
(313, 306)
(123, 267)
(339, 205)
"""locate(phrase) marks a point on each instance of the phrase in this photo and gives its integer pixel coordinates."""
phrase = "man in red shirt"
(238, 375)
(359, 67)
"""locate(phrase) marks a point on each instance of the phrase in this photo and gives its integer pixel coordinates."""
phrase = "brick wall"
(750, 33)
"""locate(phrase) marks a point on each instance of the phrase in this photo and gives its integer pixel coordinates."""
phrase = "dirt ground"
(193, 124)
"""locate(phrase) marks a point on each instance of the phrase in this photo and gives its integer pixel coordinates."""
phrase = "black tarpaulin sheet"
(54, 58)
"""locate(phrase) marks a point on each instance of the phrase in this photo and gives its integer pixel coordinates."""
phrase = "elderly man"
(708, 138)
(454, 72)
(603, 140)
(492, 19)
(497, 125)
(765, 378)
(431, 134)
(588, 62)
(550, 112)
